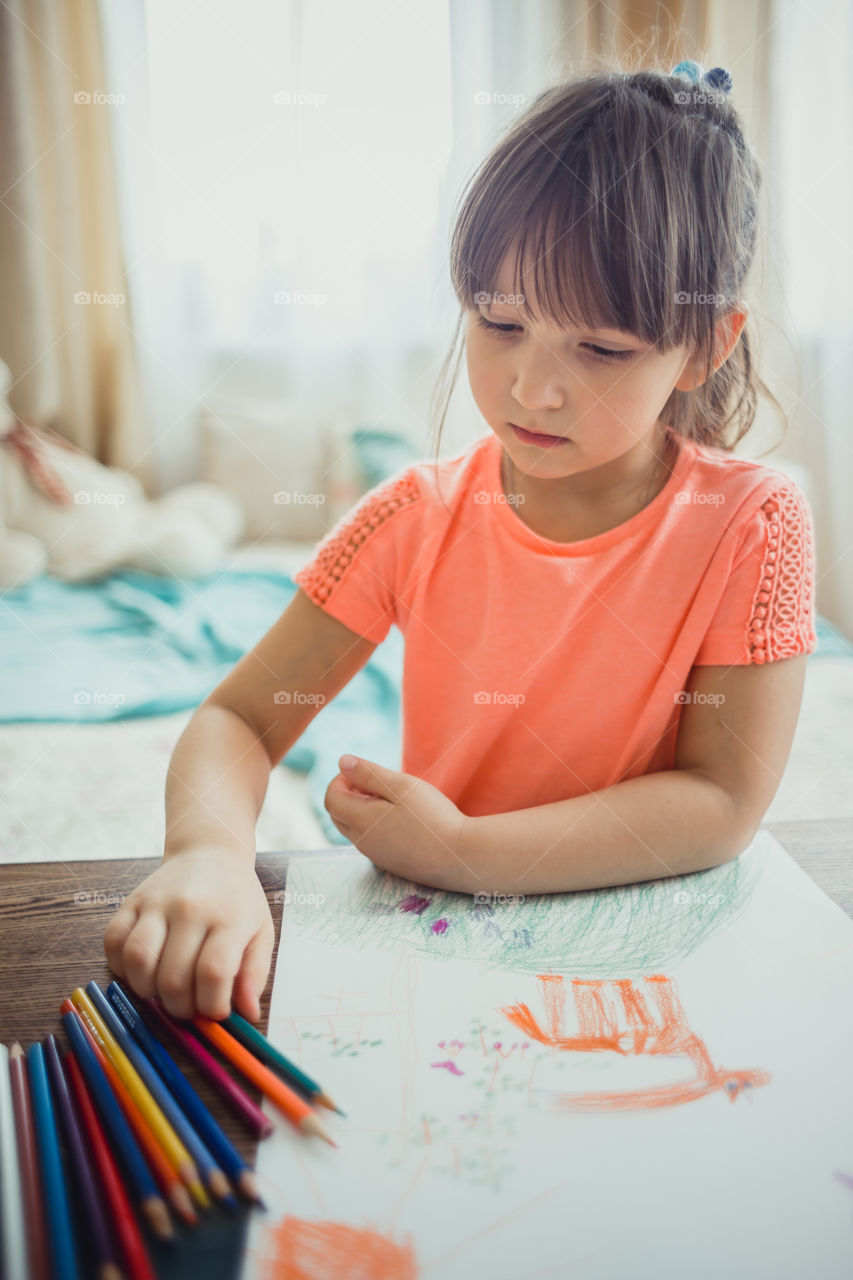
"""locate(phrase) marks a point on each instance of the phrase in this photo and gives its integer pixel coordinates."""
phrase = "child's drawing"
(301, 1250)
(614, 1017)
(501, 1118)
(628, 930)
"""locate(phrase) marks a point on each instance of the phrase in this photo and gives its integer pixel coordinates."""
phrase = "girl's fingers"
(115, 936)
(217, 963)
(253, 974)
(175, 979)
(142, 950)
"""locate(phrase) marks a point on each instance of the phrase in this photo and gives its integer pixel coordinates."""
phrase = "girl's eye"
(499, 328)
(596, 353)
(604, 353)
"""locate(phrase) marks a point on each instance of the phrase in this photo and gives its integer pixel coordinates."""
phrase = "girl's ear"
(728, 332)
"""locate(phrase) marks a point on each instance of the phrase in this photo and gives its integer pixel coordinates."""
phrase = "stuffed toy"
(63, 513)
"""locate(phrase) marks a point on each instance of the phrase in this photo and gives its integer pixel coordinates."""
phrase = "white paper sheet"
(651, 1081)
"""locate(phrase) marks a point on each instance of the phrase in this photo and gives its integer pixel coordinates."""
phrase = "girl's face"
(599, 391)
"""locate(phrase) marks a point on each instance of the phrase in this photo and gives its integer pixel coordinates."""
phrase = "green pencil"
(260, 1045)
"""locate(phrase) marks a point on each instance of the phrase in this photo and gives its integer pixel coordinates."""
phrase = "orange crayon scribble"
(614, 1016)
(300, 1250)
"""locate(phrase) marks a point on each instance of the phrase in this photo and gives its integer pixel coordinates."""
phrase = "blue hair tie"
(716, 78)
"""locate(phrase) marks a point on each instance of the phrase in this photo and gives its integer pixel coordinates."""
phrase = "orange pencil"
(294, 1107)
(174, 1150)
(164, 1173)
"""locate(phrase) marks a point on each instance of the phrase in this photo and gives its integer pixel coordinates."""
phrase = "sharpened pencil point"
(325, 1101)
(310, 1124)
(182, 1204)
(158, 1215)
(199, 1194)
(219, 1185)
(248, 1187)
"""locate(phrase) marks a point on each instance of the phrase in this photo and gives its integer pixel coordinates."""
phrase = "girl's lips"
(531, 437)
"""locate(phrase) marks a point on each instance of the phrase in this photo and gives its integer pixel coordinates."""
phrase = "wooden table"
(52, 919)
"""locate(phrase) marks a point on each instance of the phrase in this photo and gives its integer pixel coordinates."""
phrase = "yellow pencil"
(173, 1149)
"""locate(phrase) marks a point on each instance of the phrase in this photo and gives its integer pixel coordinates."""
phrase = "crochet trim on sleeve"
(781, 613)
(334, 553)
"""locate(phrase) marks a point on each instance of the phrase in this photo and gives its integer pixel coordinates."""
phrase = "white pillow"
(284, 466)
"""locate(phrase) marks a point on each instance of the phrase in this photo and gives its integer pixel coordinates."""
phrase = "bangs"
(588, 229)
(620, 201)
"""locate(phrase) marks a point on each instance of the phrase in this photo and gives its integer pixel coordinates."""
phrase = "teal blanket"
(136, 644)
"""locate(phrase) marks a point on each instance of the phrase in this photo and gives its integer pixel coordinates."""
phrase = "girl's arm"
(198, 930)
(733, 743)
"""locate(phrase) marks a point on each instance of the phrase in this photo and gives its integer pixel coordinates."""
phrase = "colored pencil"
(163, 1171)
(264, 1049)
(220, 1144)
(208, 1169)
(272, 1086)
(28, 1160)
(175, 1151)
(63, 1250)
(96, 1226)
(151, 1203)
(237, 1098)
(13, 1232)
(137, 1261)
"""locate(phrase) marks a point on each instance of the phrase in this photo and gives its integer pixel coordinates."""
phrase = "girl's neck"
(575, 507)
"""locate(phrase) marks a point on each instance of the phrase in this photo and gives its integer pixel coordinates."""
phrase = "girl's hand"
(401, 823)
(197, 933)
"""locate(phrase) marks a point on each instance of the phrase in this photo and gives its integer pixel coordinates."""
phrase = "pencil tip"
(199, 1194)
(158, 1215)
(183, 1204)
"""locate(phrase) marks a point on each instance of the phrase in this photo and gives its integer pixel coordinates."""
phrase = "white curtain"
(287, 173)
(812, 112)
(280, 172)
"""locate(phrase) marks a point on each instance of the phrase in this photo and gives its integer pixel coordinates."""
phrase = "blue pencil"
(60, 1232)
(220, 1144)
(151, 1202)
(208, 1170)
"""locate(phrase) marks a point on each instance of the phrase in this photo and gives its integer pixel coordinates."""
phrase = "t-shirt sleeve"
(767, 610)
(360, 567)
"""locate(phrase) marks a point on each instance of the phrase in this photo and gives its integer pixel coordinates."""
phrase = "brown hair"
(624, 193)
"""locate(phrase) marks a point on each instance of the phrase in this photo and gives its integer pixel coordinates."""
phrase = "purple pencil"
(251, 1114)
(97, 1225)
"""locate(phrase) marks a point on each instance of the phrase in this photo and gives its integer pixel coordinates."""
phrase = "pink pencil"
(251, 1115)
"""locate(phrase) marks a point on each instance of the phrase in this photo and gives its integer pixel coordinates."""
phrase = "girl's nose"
(538, 383)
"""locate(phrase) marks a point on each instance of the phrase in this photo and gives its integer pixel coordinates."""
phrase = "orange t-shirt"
(536, 670)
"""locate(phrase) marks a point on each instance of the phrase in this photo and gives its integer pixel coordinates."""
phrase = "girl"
(606, 613)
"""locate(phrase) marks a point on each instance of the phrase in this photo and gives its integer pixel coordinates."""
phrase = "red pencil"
(121, 1213)
(28, 1160)
(164, 1175)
